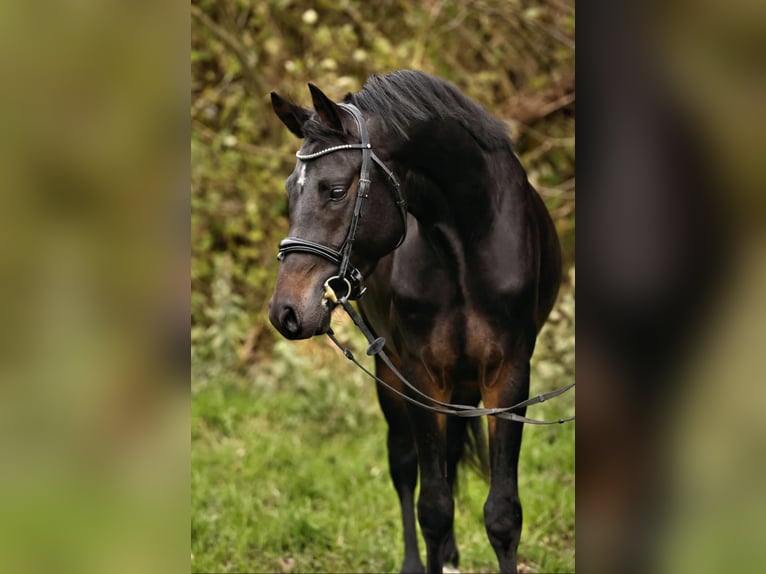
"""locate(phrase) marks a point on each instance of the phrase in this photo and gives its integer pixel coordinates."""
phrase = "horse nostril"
(288, 318)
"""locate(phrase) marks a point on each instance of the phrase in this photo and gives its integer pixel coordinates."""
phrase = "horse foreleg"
(457, 429)
(402, 464)
(502, 510)
(435, 504)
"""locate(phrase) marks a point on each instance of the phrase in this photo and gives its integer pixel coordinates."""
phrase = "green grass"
(289, 468)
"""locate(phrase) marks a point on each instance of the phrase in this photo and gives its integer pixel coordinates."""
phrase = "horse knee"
(503, 518)
(435, 512)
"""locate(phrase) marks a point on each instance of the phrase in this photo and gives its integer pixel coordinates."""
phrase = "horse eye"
(337, 193)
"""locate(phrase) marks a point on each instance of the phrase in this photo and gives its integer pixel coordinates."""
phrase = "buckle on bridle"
(338, 289)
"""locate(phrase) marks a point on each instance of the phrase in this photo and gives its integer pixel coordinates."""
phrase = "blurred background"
(289, 468)
(94, 267)
(671, 266)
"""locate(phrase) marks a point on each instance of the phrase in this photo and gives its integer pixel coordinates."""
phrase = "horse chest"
(436, 322)
(458, 339)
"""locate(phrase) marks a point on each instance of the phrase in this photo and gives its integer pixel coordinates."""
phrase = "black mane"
(408, 97)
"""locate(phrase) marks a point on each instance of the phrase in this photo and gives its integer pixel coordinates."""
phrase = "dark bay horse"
(414, 192)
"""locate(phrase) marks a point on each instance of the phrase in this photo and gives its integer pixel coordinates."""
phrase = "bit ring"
(336, 289)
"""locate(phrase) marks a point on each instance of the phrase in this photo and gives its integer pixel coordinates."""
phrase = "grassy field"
(289, 468)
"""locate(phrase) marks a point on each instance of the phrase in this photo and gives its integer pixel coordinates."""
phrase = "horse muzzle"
(294, 321)
(297, 308)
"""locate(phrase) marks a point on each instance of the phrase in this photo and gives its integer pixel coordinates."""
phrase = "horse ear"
(291, 115)
(328, 110)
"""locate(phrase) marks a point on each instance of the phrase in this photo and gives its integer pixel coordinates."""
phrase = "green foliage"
(215, 344)
(516, 60)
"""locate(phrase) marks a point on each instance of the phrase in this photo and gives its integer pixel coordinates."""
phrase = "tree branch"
(233, 44)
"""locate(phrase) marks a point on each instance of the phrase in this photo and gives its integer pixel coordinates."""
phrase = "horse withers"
(408, 197)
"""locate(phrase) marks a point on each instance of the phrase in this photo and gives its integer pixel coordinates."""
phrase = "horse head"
(343, 219)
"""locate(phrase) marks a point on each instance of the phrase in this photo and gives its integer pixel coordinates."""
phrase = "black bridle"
(348, 285)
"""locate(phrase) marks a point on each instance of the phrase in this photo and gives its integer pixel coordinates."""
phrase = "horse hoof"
(450, 569)
(413, 569)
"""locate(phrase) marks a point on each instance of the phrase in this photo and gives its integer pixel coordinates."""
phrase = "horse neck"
(452, 181)
(478, 206)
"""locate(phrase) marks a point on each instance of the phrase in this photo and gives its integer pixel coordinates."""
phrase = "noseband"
(348, 283)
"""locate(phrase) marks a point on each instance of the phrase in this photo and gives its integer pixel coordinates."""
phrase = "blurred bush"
(516, 60)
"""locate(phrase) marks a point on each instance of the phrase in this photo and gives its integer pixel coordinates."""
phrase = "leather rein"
(348, 285)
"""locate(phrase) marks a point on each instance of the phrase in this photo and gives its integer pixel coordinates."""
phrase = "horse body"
(459, 302)
(461, 311)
